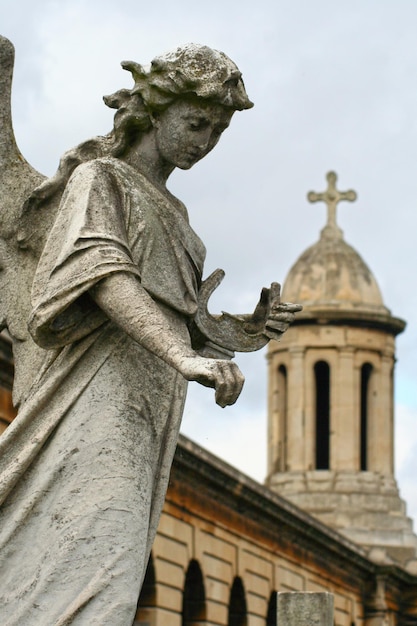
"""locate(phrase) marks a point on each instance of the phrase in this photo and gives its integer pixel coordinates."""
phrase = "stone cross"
(332, 197)
(305, 609)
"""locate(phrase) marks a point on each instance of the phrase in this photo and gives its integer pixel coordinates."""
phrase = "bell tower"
(331, 411)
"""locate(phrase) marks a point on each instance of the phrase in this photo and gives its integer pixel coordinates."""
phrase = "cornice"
(226, 485)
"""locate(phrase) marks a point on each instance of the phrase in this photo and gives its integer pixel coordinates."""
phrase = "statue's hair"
(191, 71)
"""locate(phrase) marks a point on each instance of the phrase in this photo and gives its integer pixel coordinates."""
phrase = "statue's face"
(187, 131)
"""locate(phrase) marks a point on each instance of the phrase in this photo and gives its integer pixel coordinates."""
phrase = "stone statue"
(101, 293)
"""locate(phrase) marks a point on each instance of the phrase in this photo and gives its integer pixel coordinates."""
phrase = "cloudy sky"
(334, 86)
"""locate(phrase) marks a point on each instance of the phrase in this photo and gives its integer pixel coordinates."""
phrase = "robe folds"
(85, 465)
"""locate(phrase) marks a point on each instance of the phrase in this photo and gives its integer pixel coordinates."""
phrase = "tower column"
(296, 390)
(381, 419)
(277, 424)
(345, 414)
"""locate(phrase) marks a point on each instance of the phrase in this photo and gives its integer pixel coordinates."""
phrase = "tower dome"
(333, 275)
(331, 280)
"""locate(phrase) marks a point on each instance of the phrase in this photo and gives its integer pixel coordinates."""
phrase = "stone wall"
(226, 545)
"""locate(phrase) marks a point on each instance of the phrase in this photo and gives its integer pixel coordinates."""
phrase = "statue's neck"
(144, 156)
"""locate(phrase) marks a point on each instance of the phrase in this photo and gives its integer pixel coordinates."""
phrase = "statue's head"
(193, 72)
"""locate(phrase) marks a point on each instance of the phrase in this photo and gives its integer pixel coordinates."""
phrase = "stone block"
(217, 591)
(169, 548)
(257, 606)
(305, 609)
(217, 568)
(258, 584)
(255, 563)
(216, 613)
(290, 579)
(167, 617)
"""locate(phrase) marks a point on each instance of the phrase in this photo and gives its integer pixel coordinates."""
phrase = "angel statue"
(101, 293)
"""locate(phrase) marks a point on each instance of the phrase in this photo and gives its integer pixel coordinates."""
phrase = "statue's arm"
(121, 296)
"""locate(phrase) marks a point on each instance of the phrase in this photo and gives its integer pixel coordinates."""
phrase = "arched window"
(271, 618)
(322, 384)
(366, 373)
(145, 614)
(281, 416)
(237, 605)
(194, 598)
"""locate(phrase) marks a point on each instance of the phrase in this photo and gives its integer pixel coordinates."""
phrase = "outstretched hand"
(224, 376)
(280, 315)
(271, 316)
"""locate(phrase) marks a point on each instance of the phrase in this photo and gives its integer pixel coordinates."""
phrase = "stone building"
(330, 516)
(331, 412)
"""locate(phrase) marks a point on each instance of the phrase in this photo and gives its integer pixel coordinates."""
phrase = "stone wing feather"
(17, 177)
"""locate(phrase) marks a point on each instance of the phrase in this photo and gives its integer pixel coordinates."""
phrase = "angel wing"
(17, 177)
(17, 180)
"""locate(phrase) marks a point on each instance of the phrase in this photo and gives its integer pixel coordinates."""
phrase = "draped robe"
(84, 466)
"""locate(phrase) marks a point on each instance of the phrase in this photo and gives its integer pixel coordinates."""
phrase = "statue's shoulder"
(100, 166)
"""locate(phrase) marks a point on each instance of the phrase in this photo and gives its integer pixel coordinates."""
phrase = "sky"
(335, 88)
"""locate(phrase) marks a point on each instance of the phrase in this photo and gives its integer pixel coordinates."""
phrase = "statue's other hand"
(224, 376)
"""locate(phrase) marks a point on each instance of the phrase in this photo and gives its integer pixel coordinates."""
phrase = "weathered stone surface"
(100, 273)
(305, 609)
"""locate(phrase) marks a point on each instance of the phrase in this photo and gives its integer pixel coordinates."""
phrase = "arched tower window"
(322, 383)
(271, 618)
(194, 598)
(281, 409)
(237, 605)
(145, 614)
(366, 373)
